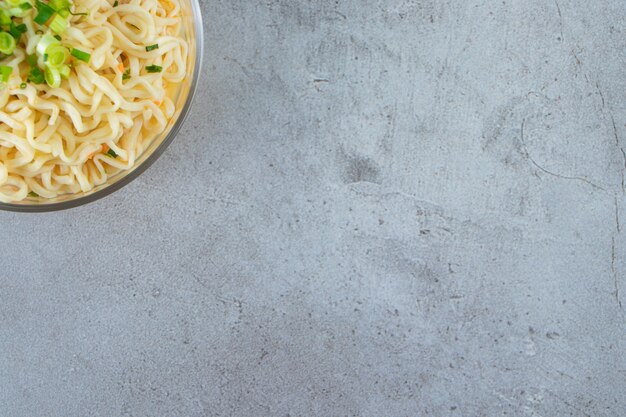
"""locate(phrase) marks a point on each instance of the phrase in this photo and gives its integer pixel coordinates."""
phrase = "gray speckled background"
(376, 208)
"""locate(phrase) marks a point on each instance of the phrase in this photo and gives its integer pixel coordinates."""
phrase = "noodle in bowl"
(116, 81)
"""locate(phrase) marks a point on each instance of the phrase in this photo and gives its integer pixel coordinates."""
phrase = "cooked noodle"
(72, 138)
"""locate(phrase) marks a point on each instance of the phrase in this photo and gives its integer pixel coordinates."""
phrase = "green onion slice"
(7, 43)
(53, 77)
(45, 42)
(81, 55)
(59, 4)
(5, 17)
(32, 60)
(152, 47)
(45, 13)
(36, 76)
(17, 30)
(17, 12)
(65, 72)
(154, 68)
(57, 55)
(5, 73)
(59, 24)
(23, 4)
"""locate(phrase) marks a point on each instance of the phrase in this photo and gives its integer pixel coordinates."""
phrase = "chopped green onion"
(36, 76)
(57, 37)
(58, 24)
(33, 194)
(23, 86)
(7, 43)
(45, 41)
(56, 55)
(59, 4)
(45, 57)
(20, 11)
(126, 75)
(152, 47)
(65, 72)
(17, 30)
(5, 17)
(78, 14)
(53, 77)
(154, 68)
(13, 31)
(116, 3)
(111, 153)
(45, 13)
(26, 6)
(16, 11)
(78, 54)
(32, 60)
(5, 73)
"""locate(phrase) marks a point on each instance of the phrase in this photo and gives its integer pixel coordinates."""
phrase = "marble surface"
(376, 208)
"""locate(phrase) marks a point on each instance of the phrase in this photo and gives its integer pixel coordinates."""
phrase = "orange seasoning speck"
(103, 149)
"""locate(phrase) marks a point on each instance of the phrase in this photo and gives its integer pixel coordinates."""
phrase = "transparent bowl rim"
(152, 157)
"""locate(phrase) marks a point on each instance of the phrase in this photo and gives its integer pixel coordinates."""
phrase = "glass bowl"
(193, 33)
